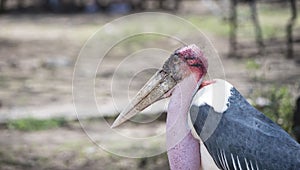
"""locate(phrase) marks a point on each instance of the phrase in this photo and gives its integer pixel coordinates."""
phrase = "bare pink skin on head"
(183, 148)
(194, 58)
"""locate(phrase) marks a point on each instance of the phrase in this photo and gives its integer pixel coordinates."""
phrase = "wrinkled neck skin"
(183, 148)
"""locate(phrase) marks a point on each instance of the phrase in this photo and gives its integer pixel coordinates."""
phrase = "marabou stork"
(236, 136)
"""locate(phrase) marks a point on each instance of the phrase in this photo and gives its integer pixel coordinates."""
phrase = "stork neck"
(183, 149)
(179, 104)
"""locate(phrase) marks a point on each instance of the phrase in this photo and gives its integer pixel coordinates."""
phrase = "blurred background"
(258, 42)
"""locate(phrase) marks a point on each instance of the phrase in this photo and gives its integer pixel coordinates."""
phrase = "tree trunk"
(20, 4)
(258, 32)
(289, 29)
(2, 5)
(233, 28)
(161, 4)
(177, 4)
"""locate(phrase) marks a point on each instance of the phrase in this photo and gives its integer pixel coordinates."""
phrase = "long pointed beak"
(154, 90)
(174, 70)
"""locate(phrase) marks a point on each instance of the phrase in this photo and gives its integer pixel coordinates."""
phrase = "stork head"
(184, 62)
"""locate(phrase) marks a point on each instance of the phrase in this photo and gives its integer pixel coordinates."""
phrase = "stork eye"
(197, 65)
(188, 57)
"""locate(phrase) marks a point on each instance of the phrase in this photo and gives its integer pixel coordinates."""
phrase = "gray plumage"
(245, 138)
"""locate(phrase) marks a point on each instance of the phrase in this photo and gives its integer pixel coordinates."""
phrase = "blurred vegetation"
(33, 124)
(272, 20)
(279, 107)
(251, 64)
(210, 24)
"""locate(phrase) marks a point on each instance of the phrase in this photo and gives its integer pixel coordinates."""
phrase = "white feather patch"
(215, 95)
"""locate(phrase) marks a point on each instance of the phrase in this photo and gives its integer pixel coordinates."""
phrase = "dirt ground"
(37, 58)
(66, 148)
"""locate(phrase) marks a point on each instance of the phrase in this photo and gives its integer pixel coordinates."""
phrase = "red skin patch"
(206, 83)
(194, 58)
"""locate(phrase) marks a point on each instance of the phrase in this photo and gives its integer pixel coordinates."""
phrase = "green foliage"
(272, 21)
(252, 64)
(32, 124)
(210, 24)
(280, 108)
